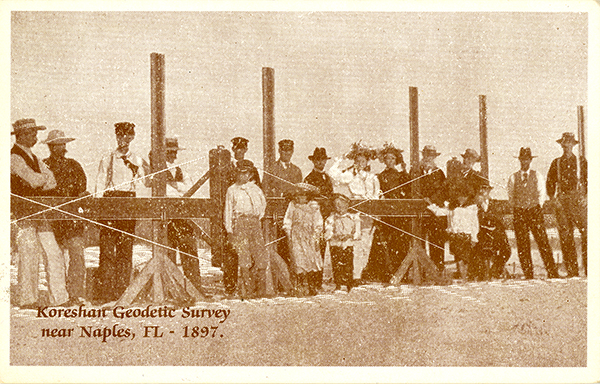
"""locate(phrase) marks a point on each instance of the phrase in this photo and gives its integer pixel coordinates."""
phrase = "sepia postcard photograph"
(300, 192)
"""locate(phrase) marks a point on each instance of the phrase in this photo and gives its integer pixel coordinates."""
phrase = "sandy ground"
(510, 323)
(514, 323)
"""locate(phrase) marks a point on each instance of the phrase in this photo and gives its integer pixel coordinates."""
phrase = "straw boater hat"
(568, 137)
(525, 153)
(305, 189)
(23, 125)
(336, 196)
(471, 154)
(172, 144)
(430, 151)
(359, 149)
(319, 154)
(389, 148)
(57, 136)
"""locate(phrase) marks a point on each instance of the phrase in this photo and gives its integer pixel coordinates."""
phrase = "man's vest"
(526, 193)
(19, 186)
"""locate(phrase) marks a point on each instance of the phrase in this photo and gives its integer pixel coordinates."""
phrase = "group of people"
(319, 217)
(120, 173)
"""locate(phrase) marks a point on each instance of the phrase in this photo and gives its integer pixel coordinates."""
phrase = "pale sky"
(339, 78)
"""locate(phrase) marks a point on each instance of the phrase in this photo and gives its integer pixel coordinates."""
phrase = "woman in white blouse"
(358, 182)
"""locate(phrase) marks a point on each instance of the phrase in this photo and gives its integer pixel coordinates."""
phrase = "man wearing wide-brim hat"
(35, 239)
(473, 178)
(180, 232)
(526, 196)
(431, 185)
(320, 179)
(71, 182)
(566, 186)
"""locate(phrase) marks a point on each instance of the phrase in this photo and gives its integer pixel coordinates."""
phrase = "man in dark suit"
(431, 186)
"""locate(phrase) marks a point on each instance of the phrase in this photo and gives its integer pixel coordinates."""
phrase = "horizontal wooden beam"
(167, 208)
(104, 208)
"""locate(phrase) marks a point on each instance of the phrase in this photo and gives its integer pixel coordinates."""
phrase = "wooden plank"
(190, 208)
(104, 208)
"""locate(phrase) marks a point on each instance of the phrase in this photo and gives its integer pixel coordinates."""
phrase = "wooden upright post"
(413, 120)
(157, 163)
(416, 263)
(167, 281)
(581, 130)
(485, 168)
(268, 90)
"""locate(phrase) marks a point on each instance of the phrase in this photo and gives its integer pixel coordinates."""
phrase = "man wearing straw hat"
(180, 232)
(35, 239)
(71, 182)
(526, 196)
(566, 186)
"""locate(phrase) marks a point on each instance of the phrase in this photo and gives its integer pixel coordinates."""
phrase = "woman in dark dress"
(390, 243)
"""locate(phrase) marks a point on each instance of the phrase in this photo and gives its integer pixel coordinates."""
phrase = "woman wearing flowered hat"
(390, 241)
(358, 182)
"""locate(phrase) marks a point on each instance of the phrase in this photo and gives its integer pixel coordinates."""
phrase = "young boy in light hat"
(342, 230)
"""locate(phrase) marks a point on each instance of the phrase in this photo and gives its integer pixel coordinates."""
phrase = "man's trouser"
(571, 213)
(116, 259)
(36, 241)
(181, 236)
(69, 235)
(532, 220)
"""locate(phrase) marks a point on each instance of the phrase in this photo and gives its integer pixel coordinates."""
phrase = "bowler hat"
(172, 144)
(124, 128)
(319, 154)
(525, 153)
(23, 125)
(286, 144)
(57, 136)
(568, 137)
(429, 150)
(471, 153)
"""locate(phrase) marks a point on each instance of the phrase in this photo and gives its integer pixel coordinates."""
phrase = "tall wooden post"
(413, 120)
(268, 90)
(485, 168)
(581, 130)
(416, 263)
(167, 280)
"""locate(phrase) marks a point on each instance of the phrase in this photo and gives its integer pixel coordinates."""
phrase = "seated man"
(492, 246)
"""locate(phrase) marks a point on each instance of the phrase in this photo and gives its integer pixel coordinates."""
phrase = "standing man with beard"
(71, 182)
(119, 173)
